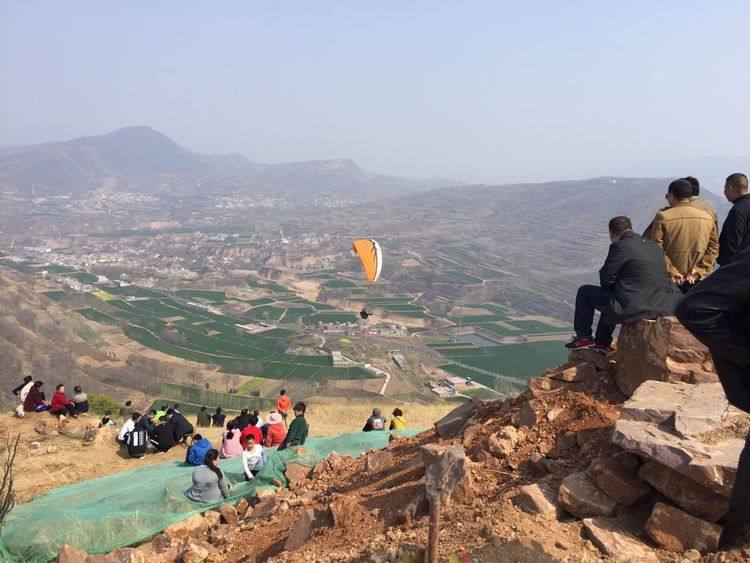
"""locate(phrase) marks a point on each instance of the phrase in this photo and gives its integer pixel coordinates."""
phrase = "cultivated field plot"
(496, 320)
(194, 333)
(523, 360)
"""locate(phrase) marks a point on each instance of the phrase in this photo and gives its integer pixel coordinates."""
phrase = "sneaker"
(578, 343)
(599, 347)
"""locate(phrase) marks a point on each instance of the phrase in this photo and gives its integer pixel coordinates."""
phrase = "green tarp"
(103, 514)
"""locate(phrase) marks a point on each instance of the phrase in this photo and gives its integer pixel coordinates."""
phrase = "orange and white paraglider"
(371, 256)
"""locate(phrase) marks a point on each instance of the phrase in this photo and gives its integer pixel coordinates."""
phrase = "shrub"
(99, 404)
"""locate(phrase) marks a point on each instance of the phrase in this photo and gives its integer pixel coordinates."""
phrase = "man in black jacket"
(735, 234)
(180, 425)
(717, 312)
(634, 285)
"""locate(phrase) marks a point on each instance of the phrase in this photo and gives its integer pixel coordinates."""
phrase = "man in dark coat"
(735, 234)
(180, 425)
(634, 285)
(717, 312)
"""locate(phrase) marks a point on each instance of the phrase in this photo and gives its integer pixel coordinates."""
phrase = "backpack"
(378, 423)
(137, 442)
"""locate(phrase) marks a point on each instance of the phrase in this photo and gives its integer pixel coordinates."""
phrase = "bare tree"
(7, 494)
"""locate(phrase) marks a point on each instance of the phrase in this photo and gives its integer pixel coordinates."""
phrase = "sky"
(485, 92)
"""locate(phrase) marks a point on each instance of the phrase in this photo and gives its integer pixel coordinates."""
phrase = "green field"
(518, 360)
(194, 334)
(202, 294)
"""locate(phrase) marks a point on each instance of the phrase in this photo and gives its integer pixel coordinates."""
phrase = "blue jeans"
(592, 298)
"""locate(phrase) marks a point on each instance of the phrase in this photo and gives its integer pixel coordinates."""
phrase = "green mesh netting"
(125, 508)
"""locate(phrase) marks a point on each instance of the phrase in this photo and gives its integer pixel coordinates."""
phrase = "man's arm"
(706, 264)
(731, 237)
(716, 311)
(610, 271)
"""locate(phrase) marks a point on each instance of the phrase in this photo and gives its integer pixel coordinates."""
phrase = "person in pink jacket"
(230, 442)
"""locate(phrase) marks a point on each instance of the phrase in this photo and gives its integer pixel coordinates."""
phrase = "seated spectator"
(398, 422)
(182, 428)
(162, 436)
(161, 413)
(276, 431)
(35, 399)
(21, 392)
(375, 422)
(203, 418)
(127, 428)
(251, 430)
(80, 400)
(230, 441)
(298, 429)
(126, 410)
(24, 383)
(256, 414)
(253, 457)
(688, 235)
(209, 484)
(176, 408)
(136, 440)
(106, 421)
(196, 453)
(243, 420)
(218, 418)
(61, 405)
(634, 284)
(147, 421)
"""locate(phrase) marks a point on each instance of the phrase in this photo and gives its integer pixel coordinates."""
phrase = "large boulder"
(675, 530)
(693, 497)
(605, 533)
(668, 422)
(582, 498)
(662, 350)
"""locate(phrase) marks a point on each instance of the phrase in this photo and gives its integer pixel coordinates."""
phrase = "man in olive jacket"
(633, 285)
(688, 235)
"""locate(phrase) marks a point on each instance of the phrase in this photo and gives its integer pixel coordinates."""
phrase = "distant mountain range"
(141, 159)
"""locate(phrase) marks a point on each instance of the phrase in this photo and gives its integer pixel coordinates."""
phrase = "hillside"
(543, 239)
(140, 159)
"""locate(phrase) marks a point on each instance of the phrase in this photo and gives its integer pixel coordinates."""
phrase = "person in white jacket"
(21, 391)
(253, 457)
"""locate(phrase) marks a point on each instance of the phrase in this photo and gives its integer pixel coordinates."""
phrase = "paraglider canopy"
(369, 253)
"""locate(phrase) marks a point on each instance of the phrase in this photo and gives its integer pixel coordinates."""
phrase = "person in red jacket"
(276, 431)
(251, 429)
(60, 404)
(283, 405)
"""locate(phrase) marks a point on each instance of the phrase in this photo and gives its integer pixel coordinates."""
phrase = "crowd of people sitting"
(32, 399)
(646, 276)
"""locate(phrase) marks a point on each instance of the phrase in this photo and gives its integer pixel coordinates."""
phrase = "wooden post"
(434, 537)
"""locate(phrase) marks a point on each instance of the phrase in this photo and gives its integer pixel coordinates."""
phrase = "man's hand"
(678, 279)
(693, 277)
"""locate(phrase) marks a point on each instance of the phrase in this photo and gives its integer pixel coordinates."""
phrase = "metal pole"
(432, 544)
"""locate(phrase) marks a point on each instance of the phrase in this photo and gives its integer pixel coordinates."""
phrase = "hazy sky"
(477, 91)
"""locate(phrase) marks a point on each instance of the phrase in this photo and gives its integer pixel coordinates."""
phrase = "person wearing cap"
(375, 422)
(276, 431)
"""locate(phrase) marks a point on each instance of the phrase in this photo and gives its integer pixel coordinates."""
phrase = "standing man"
(697, 202)
(688, 235)
(283, 404)
(633, 285)
(717, 312)
(735, 234)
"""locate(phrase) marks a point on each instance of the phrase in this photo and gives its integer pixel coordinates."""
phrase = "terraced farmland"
(195, 334)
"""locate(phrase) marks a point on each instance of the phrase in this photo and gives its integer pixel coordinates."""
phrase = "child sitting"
(253, 457)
